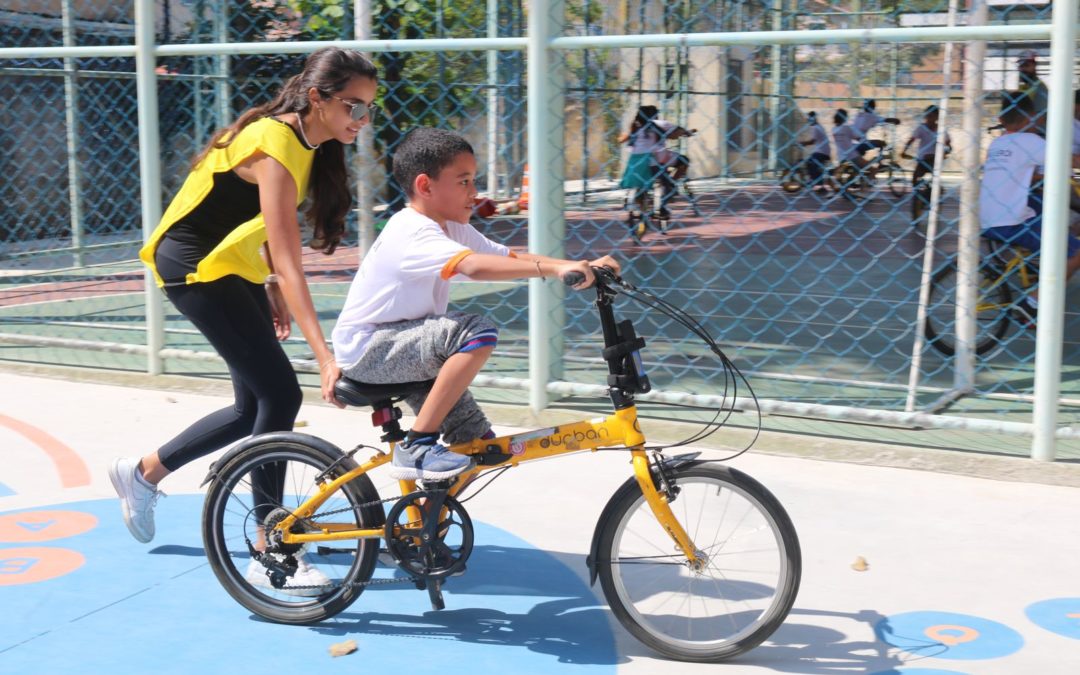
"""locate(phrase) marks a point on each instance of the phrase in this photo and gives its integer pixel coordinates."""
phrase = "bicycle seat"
(353, 392)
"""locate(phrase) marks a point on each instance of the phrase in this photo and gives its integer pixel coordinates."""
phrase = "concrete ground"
(971, 558)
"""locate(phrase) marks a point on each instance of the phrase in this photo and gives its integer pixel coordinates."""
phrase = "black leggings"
(235, 317)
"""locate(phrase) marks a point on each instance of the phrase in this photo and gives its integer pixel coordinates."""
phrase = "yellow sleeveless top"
(240, 252)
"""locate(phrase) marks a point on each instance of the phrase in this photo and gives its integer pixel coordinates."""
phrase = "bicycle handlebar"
(604, 275)
(573, 278)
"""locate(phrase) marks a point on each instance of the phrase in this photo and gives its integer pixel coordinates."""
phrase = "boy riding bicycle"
(394, 327)
(927, 135)
(1010, 197)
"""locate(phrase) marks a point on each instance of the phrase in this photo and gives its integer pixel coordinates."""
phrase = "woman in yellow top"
(227, 254)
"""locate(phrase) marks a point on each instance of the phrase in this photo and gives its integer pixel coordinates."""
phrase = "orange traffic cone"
(523, 198)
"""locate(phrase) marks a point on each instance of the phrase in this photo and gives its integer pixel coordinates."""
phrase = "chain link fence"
(814, 293)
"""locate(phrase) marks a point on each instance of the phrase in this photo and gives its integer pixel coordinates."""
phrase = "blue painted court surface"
(965, 575)
(158, 608)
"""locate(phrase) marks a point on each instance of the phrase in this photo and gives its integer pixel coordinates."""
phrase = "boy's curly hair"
(426, 151)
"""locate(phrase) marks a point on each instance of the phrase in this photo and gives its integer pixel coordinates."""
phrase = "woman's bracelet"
(538, 270)
(270, 279)
(322, 364)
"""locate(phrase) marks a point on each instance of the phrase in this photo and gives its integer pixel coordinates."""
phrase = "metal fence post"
(1063, 35)
(71, 115)
(222, 85)
(149, 171)
(547, 224)
(967, 264)
(493, 103)
(364, 163)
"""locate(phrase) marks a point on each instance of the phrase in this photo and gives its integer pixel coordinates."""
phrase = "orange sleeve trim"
(512, 254)
(450, 268)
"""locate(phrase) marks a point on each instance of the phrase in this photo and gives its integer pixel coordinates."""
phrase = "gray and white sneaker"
(306, 575)
(424, 459)
(137, 497)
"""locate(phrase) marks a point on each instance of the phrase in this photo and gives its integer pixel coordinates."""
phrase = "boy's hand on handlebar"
(572, 270)
(607, 261)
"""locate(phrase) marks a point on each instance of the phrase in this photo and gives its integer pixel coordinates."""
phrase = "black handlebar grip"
(573, 278)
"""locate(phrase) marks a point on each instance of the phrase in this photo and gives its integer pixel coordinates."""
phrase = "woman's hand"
(280, 311)
(607, 261)
(329, 374)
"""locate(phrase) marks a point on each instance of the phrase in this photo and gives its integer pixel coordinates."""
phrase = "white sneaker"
(137, 498)
(306, 575)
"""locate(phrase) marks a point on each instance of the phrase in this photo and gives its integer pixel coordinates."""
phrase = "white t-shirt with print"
(846, 138)
(1011, 161)
(406, 275)
(927, 140)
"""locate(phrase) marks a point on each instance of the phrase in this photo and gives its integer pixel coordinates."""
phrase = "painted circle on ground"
(1059, 615)
(945, 635)
(32, 564)
(34, 526)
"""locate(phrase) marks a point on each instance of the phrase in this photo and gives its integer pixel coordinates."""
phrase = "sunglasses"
(359, 110)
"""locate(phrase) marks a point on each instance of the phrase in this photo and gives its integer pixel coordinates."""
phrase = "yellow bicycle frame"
(621, 429)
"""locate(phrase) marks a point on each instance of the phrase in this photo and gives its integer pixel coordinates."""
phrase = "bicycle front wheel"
(238, 510)
(992, 303)
(736, 600)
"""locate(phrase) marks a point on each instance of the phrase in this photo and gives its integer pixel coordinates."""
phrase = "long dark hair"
(328, 70)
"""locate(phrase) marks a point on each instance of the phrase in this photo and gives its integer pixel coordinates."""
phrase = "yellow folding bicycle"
(696, 559)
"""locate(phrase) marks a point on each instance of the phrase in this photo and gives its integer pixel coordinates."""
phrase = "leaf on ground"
(860, 564)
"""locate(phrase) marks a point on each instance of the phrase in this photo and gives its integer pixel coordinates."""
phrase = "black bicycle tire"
(628, 498)
(938, 339)
(359, 491)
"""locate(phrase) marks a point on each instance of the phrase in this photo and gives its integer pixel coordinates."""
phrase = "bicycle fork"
(660, 503)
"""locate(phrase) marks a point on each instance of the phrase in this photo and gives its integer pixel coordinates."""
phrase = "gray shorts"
(415, 350)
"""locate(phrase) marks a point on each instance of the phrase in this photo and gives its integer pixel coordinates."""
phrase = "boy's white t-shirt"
(406, 275)
(821, 140)
(845, 137)
(927, 139)
(1011, 161)
(865, 121)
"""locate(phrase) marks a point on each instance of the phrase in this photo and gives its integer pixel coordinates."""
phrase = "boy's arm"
(604, 261)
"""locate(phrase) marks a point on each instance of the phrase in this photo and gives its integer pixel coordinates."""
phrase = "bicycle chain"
(369, 582)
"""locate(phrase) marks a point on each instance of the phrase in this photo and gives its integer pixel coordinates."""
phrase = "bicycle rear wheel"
(992, 304)
(235, 514)
(744, 592)
(794, 180)
(898, 184)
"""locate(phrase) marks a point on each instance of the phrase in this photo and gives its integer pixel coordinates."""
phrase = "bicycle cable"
(732, 374)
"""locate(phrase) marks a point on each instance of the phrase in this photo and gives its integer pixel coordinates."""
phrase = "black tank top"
(231, 201)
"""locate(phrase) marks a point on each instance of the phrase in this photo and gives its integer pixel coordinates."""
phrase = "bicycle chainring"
(428, 551)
